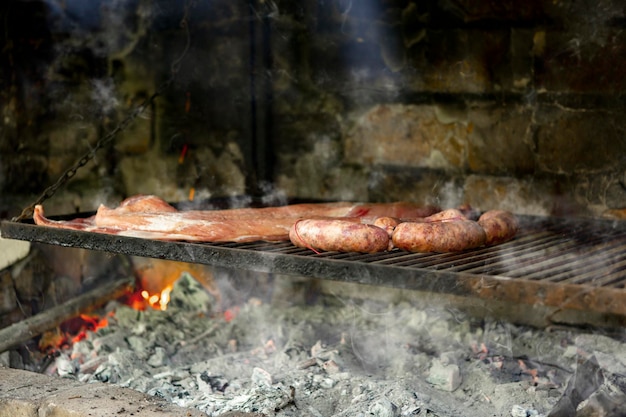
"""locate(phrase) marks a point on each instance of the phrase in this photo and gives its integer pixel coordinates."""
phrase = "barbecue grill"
(401, 100)
(571, 263)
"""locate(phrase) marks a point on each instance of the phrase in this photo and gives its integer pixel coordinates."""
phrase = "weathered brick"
(460, 61)
(579, 140)
(521, 60)
(407, 135)
(554, 195)
(210, 173)
(501, 141)
(309, 180)
(575, 61)
(507, 193)
(424, 186)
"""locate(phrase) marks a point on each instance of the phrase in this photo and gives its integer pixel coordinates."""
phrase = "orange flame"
(156, 277)
(158, 301)
(155, 282)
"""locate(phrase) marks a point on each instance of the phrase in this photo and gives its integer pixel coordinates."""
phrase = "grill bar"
(567, 263)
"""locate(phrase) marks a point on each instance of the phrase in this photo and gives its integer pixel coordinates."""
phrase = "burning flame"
(156, 278)
(158, 301)
(142, 299)
(155, 282)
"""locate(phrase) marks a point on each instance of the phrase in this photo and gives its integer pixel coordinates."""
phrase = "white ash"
(335, 358)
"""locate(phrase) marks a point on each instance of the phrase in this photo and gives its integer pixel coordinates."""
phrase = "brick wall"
(496, 104)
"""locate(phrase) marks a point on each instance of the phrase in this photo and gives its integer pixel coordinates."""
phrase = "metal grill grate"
(570, 263)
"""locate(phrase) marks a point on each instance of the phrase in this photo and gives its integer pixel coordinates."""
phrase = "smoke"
(105, 27)
(89, 38)
(103, 93)
(272, 196)
(450, 195)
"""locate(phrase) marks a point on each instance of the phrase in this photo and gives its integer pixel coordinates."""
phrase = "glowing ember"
(77, 328)
(230, 313)
(72, 331)
(155, 282)
(92, 323)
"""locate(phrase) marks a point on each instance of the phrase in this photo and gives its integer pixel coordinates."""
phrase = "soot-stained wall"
(514, 105)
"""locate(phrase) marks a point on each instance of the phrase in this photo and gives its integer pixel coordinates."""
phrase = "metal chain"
(88, 156)
(71, 171)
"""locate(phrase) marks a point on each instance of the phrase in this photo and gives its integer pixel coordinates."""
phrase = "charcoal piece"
(608, 401)
(585, 381)
(217, 382)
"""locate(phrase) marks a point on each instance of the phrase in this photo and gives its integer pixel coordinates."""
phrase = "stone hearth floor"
(28, 394)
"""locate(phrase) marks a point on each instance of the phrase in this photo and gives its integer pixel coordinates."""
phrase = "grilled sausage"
(446, 216)
(388, 224)
(500, 226)
(438, 236)
(338, 235)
